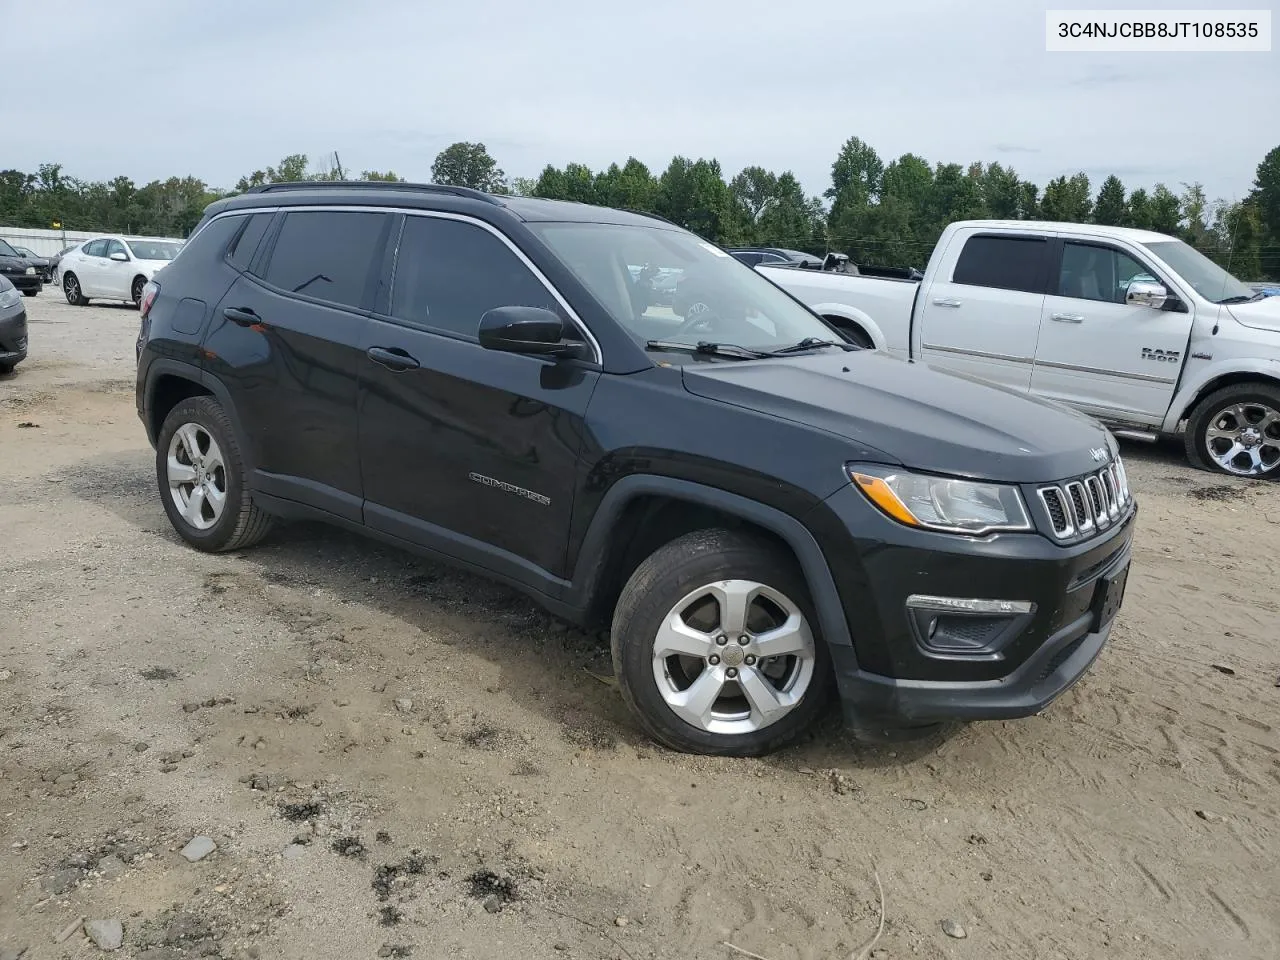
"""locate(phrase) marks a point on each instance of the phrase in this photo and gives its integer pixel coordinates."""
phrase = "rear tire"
(1244, 418)
(201, 476)
(724, 692)
(71, 287)
(136, 290)
(31, 293)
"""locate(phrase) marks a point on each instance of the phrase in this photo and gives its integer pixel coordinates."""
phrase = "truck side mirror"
(1140, 293)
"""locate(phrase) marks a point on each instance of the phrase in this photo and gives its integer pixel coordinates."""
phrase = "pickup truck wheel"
(1236, 430)
(201, 478)
(715, 646)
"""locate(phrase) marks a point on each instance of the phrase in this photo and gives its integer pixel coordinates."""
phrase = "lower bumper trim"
(872, 700)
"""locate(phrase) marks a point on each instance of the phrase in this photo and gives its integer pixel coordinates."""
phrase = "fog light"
(964, 627)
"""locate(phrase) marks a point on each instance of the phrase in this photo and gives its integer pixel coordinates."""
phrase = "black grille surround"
(1085, 506)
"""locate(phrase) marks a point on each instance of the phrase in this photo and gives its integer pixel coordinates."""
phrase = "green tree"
(754, 188)
(629, 187)
(1140, 209)
(465, 164)
(1193, 207)
(787, 219)
(857, 166)
(1237, 239)
(386, 177)
(693, 194)
(1266, 200)
(1029, 202)
(1001, 191)
(1067, 201)
(1111, 209)
(1165, 210)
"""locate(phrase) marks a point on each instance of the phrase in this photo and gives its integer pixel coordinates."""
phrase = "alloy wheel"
(733, 657)
(197, 476)
(1244, 438)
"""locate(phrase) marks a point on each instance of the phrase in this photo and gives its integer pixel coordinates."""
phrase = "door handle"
(946, 302)
(393, 358)
(241, 316)
(1068, 318)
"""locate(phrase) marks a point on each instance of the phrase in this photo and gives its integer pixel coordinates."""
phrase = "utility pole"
(338, 163)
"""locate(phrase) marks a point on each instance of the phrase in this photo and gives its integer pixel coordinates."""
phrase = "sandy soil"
(396, 760)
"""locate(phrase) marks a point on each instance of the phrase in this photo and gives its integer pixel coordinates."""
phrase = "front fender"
(813, 564)
(1192, 386)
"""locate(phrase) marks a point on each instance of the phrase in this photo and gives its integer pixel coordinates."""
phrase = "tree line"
(882, 214)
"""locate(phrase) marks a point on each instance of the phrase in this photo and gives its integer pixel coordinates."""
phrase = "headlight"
(10, 297)
(948, 504)
(31, 271)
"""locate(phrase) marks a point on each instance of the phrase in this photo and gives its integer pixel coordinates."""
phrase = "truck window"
(1006, 263)
(1091, 272)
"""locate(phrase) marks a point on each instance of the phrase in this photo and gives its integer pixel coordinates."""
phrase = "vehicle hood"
(924, 418)
(1262, 314)
(15, 264)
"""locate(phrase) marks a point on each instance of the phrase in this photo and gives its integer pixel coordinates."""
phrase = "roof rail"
(377, 185)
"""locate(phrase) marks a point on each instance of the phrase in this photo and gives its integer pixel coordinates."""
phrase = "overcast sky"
(153, 88)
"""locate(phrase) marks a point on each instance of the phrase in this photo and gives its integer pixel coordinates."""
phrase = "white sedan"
(114, 268)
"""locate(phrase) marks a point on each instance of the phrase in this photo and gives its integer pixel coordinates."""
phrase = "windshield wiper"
(813, 343)
(707, 348)
(1240, 299)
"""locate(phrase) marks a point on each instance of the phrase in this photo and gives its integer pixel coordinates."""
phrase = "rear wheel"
(138, 284)
(71, 287)
(715, 646)
(1236, 430)
(202, 480)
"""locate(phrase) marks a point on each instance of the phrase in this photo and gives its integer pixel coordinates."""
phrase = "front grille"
(1086, 505)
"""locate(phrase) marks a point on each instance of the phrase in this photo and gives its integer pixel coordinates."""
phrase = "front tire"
(201, 476)
(1236, 430)
(30, 293)
(71, 287)
(716, 648)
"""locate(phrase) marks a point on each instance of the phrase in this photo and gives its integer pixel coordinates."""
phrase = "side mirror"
(119, 257)
(1141, 293)
(529, 330)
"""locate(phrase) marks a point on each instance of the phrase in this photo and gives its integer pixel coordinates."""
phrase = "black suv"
(760, 511)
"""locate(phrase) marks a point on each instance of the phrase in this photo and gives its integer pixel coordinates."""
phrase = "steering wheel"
(698, 318)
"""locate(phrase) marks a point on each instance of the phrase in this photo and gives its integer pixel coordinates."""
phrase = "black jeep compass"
(762, 512)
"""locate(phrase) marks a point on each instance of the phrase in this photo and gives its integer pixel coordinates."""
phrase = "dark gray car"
(13, 327)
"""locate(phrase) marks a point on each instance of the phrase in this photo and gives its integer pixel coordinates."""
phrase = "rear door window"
(1004, 263)
(327, 254)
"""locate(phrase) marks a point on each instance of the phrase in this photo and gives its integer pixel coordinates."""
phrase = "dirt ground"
(393, 759)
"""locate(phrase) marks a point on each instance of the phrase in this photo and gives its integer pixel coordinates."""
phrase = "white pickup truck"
(1135, 328)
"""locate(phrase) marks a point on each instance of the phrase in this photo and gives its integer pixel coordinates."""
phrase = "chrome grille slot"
(1087, 505)
(1080, 506)
(1055, 503)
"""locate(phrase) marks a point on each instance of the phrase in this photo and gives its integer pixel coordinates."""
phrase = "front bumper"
(891, 677)
(26, 282)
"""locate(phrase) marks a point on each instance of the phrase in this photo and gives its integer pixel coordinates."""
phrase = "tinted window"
(449, 274)
(211, 240)
(1006, 263)
(96, 248)
(326, 254)
(244, 246)
(1098, 273)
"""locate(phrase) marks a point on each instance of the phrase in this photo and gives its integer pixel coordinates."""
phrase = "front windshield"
(6, 250)
(154, 249)
(1206, 277)
(24, 251)
(666, 284)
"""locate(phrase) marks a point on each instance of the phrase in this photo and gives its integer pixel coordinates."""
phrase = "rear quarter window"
(1003, 263)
